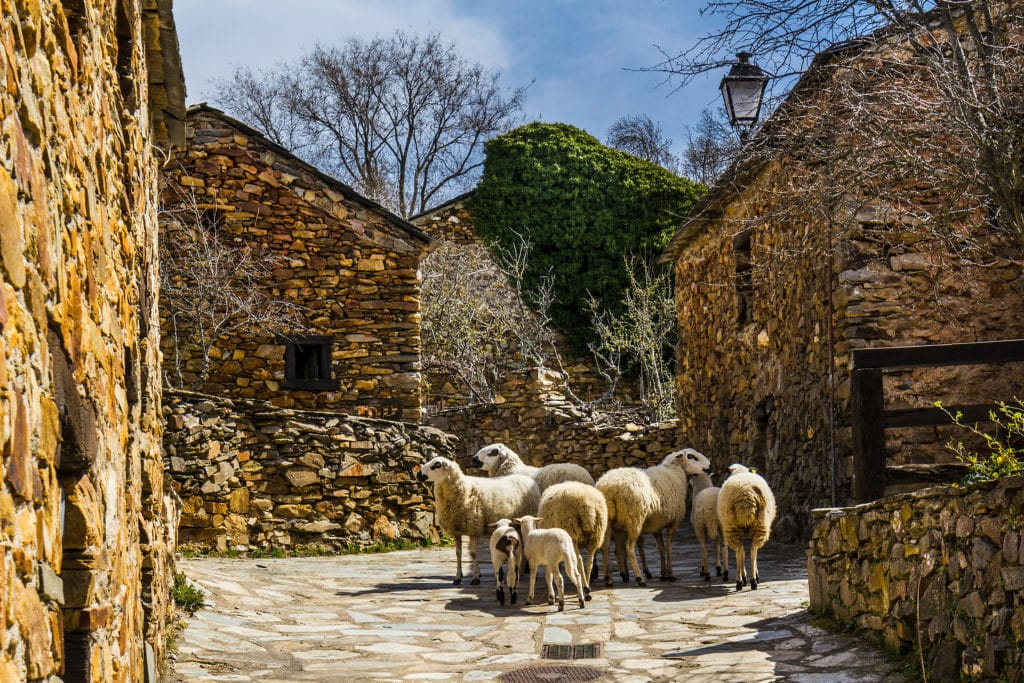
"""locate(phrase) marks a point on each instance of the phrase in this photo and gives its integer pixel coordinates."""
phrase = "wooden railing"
(869, 419)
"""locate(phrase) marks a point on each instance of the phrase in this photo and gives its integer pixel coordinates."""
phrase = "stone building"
(811, 246)
(87, 525)
(347, 265)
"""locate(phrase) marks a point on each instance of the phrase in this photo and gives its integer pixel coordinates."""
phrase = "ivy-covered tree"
(582, 208)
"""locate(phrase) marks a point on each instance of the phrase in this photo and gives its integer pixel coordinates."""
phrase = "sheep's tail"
(748, 506)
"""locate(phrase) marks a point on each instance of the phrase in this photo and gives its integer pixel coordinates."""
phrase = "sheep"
(498, 459)
(506, 548)
(746, 509)
(704, 517)
(549, 548)
(645, 501)
(464, 505)
(581, 510)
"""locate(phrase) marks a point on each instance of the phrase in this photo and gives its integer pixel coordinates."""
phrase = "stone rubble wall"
(351, 270)
(533, 418)
(758, 392)
(87, 527)
(251, 475)
(942, 566)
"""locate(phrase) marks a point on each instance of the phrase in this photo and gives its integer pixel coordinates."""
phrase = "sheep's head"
(437, 469)
(526, 524)
(736, 468)
(688, 460)
(488, 457)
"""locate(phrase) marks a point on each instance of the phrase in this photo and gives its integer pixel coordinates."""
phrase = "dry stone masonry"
(87, 526)
(350, 267)
(943, 565)
(533, 418)
(771, 298)
(251, 475)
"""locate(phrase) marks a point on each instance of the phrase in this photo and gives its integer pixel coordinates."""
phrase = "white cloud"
(218, 35)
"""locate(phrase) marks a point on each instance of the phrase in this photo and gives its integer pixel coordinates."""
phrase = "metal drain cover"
(544, 674)
(588, 651)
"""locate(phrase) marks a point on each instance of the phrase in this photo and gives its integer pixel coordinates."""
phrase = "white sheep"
(581, 510)
(646, 501)
(498, 460)
(550, 548)
(746, 509)
(506, 549)
(704, 517)
(464, 505)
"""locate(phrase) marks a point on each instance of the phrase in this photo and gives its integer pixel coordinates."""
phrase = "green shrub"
(186, 596)
(1005, 448)
(582, 208)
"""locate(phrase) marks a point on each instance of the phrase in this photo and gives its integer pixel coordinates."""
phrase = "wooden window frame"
(307, 363)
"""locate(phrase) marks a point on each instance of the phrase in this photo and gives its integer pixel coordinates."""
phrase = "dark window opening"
(307, 363)
(744, 279)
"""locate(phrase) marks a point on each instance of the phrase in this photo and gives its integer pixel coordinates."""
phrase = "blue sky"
(576, 52)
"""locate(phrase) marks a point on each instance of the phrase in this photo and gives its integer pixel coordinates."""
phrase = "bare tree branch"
(211, 288)
(402, 119)
(638, 135)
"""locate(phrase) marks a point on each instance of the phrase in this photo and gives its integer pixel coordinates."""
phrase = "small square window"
(307, 364)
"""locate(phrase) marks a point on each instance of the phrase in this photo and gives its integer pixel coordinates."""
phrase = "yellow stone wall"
(85, 522)
(350, 268)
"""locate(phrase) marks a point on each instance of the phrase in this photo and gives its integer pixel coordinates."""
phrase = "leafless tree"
(928, 112)
(210, 287)
(642, 337)
(710, 147)
(476, 327)
(403, 119)
(638, 135)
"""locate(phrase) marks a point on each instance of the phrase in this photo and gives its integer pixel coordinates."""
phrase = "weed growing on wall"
(1004, 450)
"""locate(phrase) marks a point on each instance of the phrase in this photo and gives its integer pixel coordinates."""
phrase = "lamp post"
(743, 89)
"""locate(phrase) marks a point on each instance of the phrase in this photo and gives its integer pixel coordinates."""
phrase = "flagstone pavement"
(398, 617)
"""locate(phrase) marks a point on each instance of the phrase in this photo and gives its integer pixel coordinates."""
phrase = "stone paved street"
(397, 617)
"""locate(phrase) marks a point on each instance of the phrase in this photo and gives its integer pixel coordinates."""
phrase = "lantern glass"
(743, 91)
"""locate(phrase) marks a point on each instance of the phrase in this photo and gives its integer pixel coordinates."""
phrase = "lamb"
(746, 509)
(646, 501)
(506, 548)
(581, 510)
(498, 460)
(704, 518)
(550, 548)
(464, 505)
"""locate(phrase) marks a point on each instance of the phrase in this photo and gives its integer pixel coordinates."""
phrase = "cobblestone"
(398, 617)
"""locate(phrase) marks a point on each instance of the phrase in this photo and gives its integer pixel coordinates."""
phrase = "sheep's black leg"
(501, 596)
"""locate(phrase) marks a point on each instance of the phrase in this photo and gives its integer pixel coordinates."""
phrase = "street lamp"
(742, 89)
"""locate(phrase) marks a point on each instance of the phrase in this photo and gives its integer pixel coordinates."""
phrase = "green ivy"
(581, 207)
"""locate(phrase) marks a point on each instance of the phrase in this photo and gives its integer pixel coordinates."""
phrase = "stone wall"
(533, 418)
(942, 567)
(786, 270)
(86, 524)
(450, 222)
(251, 475)
(348, 266)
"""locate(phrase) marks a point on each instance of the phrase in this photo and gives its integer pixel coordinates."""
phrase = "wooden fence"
(869, 419)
